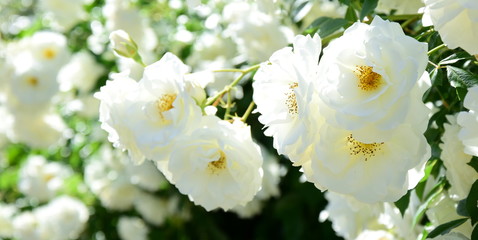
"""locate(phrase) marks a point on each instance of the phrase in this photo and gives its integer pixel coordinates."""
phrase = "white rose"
(217, 165)
(455, 21)
(153, 209)
(469, 122)
(63, 15)
(281, 92)
(443, 210)
(63, 218)
(25, 227)
(372, 171)
(132, 228)
(375, 235)
(256, 33)
(7, 211)
(49, 49)
(81, 73)
(367, 74)
(107, 177)
(460, 175)
(41, 179)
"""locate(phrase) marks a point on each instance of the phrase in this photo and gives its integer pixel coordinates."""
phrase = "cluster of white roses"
(354, 121)
(213, 161)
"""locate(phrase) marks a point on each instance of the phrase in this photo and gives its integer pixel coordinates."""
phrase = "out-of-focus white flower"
(372, 171)
(443, 210)
(132, 228)
(81, 73)
(63, 218)
(40, 130)
(349, 217)
(469, 122)
(375, 235)
(456, 21)
(256, 33)
(49, 48)
(31, 85)
(217, 165)
(319, 8)
(6, 217)
(281, 92)
(399, 6)
(63, 14)
(25, 227)
(145, 175)
(107, 178)
(451, 236)
(368, 73)
(153, 209)
(460, 175)
(41, 179)
(270, 187)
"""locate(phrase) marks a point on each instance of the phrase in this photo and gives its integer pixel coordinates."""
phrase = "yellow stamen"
(291, 100)
(217, 166)
(33, 81)
(165, 103)
(49, 53)
(368, 79)
(368, 150)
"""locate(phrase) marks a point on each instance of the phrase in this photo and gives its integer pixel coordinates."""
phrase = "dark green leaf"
(461, 93)
(325, 26)
(436, 77)
(455, 57)
(351, 15)
(367, 7)
(446, 227)
(474, 163)
(471, 203)
(298, 12)
(474, 234)
(402, 203)
(461, 208)
(460, 77)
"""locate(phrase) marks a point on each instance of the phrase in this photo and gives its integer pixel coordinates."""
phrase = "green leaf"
(297, 13)
(367, 7)
(446, 227)
(474, 234)
(471, 203)
(455, 57)
(474, 163)
(402, 203)
(461, 93)
(351, 15)
(461, 208)
(429, 199)
(325, 26)
(461, 78)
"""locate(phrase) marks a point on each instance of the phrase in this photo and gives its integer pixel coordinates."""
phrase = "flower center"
(165, 103)
(49, 53)
(368, 150)
(217, 166)
(32, 81)
(368, 79)
(291, 101)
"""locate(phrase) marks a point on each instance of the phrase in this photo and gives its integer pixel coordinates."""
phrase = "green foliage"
(446, 227)
(472, 203)
(324, 26)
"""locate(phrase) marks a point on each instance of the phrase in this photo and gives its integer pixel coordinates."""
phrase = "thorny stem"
(248, 111)
(228, 88)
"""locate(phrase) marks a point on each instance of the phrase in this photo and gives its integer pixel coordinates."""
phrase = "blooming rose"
(367, 74)
(456, 21)
(281, 87)
(217, 165)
